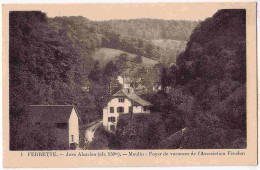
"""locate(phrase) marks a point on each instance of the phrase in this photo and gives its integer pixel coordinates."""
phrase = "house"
(114, 85)
(157, 86)
(63, 120)
(125, 101)
(125, 81)
(120, 79)
(168, 89)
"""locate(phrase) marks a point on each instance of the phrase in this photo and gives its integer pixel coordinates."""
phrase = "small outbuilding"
(63, 120)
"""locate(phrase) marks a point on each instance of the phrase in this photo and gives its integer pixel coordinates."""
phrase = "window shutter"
(113, 119)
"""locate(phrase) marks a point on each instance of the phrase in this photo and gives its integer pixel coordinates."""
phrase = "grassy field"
(104, 55)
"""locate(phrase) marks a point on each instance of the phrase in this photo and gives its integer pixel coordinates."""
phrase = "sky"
(168, 11)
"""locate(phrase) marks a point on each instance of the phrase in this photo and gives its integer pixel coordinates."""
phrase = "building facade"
(125, 101)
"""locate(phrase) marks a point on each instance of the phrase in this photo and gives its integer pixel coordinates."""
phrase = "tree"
(45, 68)
(110, 69)
(164, 79)
(95, 73)
(211, 75)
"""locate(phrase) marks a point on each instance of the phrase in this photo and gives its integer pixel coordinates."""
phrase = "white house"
(124, 81)
(63, 120)
(125, 101)
(120, 80)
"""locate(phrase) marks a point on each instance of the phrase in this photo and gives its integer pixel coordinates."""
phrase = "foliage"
(137, 132)
(46, 68)
(101, 139)
(152, 28)
(89, 35)
(40, 137)
(208, 93)
(212, 71)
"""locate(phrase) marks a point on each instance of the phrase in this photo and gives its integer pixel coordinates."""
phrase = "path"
(90, 131)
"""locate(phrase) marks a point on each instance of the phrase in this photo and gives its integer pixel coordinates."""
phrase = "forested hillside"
(170, 49)
(124, 35)
(152, 29)
(86, 34)
(46, 67)
(213, 71)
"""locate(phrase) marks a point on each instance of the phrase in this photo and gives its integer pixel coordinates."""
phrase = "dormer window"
(121, 100)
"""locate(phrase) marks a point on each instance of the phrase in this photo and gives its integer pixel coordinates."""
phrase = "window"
(111, 109)
(120, 109)
(121, 100)
(112, 127)
(111, 119)
(145, 108)
(72, 136)
(130, 109)
(61, 125)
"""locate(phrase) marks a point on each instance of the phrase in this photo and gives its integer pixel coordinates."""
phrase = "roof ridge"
(136, 97)
(132, 95)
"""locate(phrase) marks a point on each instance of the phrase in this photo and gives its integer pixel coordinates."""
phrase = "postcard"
(129, 84)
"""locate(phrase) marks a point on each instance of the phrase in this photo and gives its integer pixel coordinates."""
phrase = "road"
(90, 131)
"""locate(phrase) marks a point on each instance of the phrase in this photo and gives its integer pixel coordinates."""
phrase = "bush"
(101, 139)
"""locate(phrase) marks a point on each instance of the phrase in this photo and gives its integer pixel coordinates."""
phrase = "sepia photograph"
(140, 83)
(101, 79)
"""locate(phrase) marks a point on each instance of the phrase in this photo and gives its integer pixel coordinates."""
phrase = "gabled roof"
(50, 113)
(132, 96)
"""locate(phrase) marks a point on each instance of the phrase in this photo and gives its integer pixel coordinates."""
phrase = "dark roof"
(131, 95)
(50, 113)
